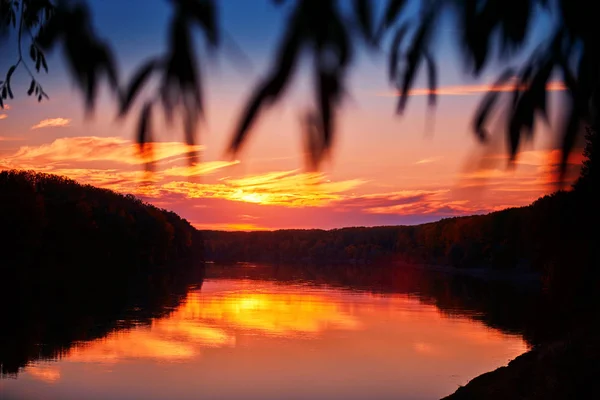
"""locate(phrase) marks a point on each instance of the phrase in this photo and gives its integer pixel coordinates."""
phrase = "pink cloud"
(92, 148)
(466, 90)
(52, 123)
(426, 161)
(10, 138)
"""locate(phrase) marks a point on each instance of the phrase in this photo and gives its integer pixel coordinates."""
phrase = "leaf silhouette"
(144, 125)
(432, 77)
(392, 11)
(271, 88)
(31, 88)
(203, 11)
(413, 58)
(362, 9)
(488, 103)
(136, 83)
(395, 52)
(570, 132)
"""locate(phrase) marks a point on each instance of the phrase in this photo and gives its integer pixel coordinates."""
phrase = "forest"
(52, 222)
(504, 240)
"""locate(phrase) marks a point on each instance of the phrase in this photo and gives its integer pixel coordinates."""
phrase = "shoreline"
(490, 274)
(560, 369)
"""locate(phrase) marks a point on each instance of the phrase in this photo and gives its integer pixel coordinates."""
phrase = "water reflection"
(273, 310)
(53, 321)
(264, 333)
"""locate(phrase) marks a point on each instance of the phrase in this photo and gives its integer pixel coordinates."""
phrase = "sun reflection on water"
(261, 331)
(208, 320)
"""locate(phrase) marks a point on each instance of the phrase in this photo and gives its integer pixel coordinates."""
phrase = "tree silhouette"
(485, 29)
(588, 178)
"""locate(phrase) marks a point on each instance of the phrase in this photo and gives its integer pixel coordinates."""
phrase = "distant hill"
(505, 239)
(51, 221)
(539, 237)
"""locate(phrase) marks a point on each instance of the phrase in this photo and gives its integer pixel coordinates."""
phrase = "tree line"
(493, 240)
(52, 222)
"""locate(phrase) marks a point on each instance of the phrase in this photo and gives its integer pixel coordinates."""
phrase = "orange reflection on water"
(210, 321)
(176, 338)
(273, 313)
(234, 338)
(45, 373)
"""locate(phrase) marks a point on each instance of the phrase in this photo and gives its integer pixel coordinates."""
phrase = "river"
(255, 332)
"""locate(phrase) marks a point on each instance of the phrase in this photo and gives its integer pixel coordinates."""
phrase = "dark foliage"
(54, 224)
(493, 240)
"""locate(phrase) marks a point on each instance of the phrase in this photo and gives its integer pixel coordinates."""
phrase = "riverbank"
(513, 275)
(562, 369)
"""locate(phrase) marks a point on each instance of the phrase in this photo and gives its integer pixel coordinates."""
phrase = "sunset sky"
(385, 169)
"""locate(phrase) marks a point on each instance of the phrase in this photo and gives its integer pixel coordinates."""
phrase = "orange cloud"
(285, 188)
(9, 139)
(93, 148)
(467, 90)
(199, 168)
(3, 116)
(426, 161)
(408, 202)
(52, 123)
(230, 227)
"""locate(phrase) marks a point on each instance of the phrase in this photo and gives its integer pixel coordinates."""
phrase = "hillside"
(50, 220)
(503, 239)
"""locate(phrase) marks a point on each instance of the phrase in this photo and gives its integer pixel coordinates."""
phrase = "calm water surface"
(248, 336)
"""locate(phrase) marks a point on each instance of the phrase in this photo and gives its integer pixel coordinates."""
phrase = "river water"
(245, 332)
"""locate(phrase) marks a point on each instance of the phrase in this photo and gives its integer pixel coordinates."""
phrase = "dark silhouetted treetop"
(59, 223)
(329, 31)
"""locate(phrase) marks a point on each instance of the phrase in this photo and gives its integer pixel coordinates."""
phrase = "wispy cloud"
(3, 116)
(534, 170)
(92, 148)
(406, 202)
(199, 168)
(230, 227)
(467, 90)
(52, 123)
(426, 161)
(9, 138)
(284, 188)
